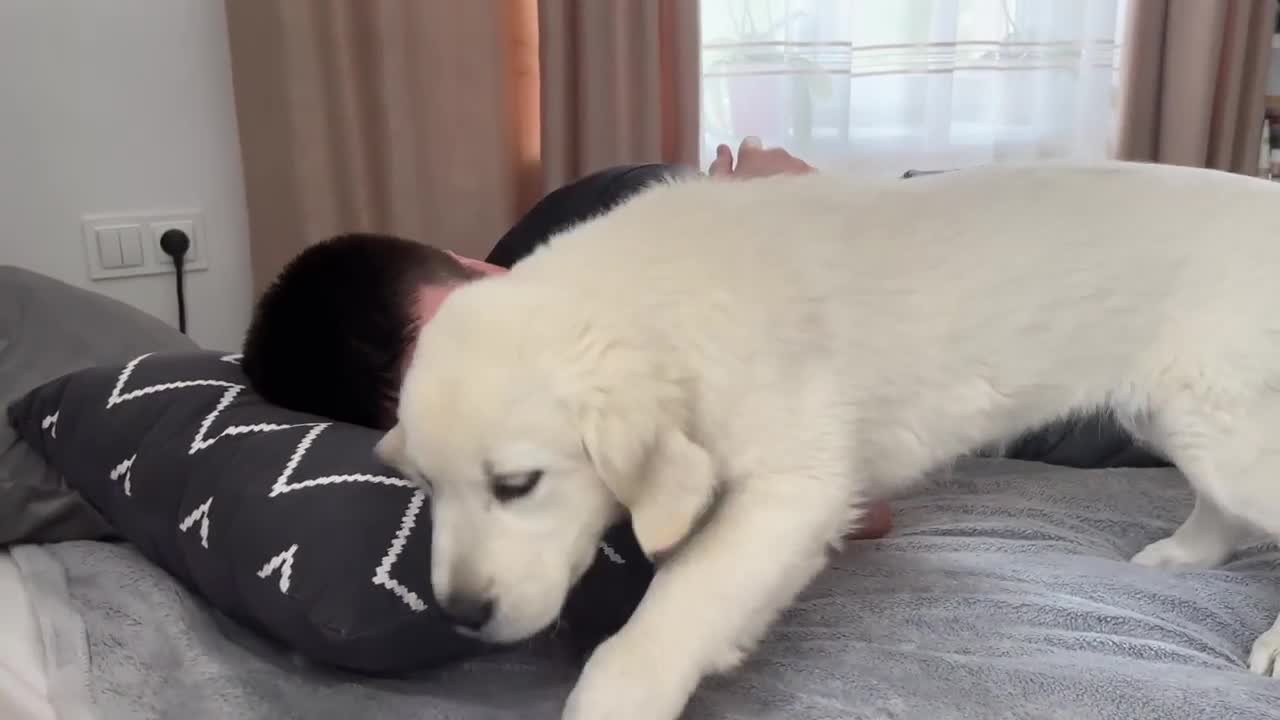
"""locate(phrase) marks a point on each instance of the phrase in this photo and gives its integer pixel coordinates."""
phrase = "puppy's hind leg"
(1255, 495)
(712, 601)
(1230, 453)
(1189, 438)
(1205, 540)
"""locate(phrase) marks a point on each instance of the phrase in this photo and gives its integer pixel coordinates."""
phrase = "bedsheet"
(1003, 592)
(23, 685)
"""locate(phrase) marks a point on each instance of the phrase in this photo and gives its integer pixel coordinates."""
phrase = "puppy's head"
(536, 425)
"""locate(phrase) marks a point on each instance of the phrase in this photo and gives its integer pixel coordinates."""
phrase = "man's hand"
(755, 160)
(876, 524)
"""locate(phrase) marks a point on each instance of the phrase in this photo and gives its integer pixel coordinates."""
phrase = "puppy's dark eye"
(513, 487)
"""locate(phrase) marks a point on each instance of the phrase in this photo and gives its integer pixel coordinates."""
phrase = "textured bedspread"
(1003, 593)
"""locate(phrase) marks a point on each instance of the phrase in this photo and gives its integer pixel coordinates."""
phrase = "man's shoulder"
(579, 200)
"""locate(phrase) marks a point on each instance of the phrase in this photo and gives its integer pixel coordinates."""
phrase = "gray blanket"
(1002, 593)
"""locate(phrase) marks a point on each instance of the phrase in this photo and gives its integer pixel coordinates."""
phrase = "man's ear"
(390, 449)
(664, 479)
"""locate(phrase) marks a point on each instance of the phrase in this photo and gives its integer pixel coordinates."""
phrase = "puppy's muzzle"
(469, 611)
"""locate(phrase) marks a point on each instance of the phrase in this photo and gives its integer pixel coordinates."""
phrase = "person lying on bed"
(332, 334)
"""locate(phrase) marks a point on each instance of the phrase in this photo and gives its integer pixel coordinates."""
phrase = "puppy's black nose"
(468, 611)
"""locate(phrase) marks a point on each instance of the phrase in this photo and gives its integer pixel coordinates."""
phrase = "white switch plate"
(131, 247)
(149, 226)
(109, 249)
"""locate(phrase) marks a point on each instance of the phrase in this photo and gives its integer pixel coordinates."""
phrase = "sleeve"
(1092, 441)
(573, 203)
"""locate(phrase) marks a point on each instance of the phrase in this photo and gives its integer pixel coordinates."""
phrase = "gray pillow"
(47, 329)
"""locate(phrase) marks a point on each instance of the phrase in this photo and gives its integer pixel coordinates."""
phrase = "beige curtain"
(1194, 81)
(437, 120)
(620, 84)
(416, 118)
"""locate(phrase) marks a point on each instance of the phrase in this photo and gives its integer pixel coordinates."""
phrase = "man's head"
(331, 336)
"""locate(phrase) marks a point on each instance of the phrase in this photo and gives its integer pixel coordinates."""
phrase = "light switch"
(109, 248)
(126, 245)
(131, 246)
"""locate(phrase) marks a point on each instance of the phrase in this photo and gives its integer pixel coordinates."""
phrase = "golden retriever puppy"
(737, 364)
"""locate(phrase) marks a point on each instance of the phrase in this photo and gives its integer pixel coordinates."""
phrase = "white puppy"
(736, 364)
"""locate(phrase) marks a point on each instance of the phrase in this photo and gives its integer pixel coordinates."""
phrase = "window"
(887, 85)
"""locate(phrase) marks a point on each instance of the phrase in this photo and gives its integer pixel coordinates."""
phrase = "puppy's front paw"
(628, 679)
(1172, 553)
(1264, 656)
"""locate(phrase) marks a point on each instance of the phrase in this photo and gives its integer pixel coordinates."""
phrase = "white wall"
(123, 105)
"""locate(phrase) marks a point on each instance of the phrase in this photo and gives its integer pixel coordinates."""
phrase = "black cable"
(182, 302)
(175, 244)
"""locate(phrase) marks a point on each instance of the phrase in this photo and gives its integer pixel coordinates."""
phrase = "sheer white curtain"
(889, 85)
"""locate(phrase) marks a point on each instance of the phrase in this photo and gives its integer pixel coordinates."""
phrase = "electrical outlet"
(194, 259)
(119, 245)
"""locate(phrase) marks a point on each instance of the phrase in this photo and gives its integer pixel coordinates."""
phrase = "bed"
(1003, 591)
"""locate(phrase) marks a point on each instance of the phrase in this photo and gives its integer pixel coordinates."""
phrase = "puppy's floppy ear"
(663, 478)
(390, 449)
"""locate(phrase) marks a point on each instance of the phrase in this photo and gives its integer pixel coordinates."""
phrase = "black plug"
(175, 244)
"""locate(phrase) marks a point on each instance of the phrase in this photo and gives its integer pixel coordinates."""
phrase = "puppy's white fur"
(737, 363)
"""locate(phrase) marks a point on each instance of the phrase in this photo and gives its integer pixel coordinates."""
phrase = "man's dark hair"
(328, 337)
